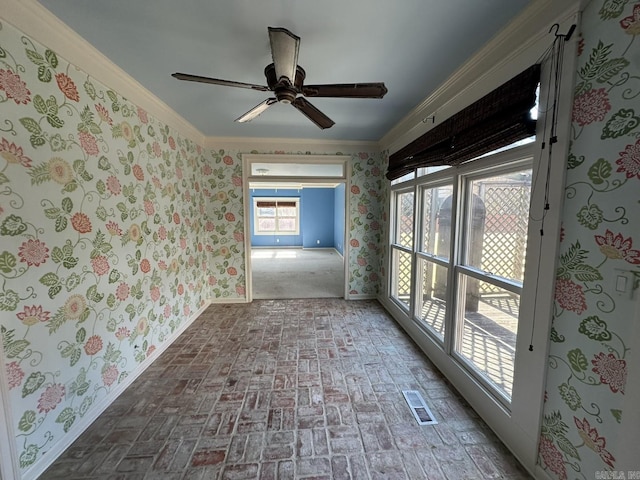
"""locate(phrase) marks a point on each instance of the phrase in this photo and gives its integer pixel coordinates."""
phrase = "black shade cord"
(557, 61)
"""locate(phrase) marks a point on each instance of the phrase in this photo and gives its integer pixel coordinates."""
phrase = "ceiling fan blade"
(346, 90)
(284, 51)
(217, 81)
(257, 110)
(312, 113)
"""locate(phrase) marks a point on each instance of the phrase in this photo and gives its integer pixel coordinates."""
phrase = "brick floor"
(287, 389)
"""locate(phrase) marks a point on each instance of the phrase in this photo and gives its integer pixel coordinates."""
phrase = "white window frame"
(276, 231)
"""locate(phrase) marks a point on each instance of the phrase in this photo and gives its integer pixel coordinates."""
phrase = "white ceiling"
(410, 45)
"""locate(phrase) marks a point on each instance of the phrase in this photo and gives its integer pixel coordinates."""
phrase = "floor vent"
(419, 407)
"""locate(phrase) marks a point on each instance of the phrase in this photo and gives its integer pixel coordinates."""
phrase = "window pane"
(489, 330)
(287, 211)
(436, 211)
(266, 211)
(432, 305)
(404, 219)
(401, 288)
(287, 224)
(266, 224)
(498, 224)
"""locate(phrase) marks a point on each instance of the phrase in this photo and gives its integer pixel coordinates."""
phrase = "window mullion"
(454, 257)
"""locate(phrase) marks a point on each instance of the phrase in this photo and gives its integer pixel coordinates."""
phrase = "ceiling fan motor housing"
(285, 91)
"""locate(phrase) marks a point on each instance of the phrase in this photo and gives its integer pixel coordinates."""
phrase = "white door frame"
(247, 177)
(8, 455)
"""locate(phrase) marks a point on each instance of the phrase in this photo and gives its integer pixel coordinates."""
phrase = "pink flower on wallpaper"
(355, 189)
(154, 293)
(93, 345)
(354, 243)
(593, 441)
(122, 291)
(113, 228)
(100, 265)
(179, 173)
(142, 325)
(162, 233)
(207, 170)
(612, 371)
(156, 182)
(157, 149)
(74, 307)
(172, 143)
(81, 223)
(103, 113)
(14, 87)
(227, 160)
(122, 333)
(88, 143)
(238, 237)
(212, 280)
(570, 296)
(110, 375)
(14, 374)
(183, 243)
(167, 311)
(142, 115)
(580, 45)
(629, 161)
(617, 247)
(230, 217)
(362, 209)
(150, 350)
(375, 225)
(138, 172)
(591, 106)
(33, 315)
(361, 261)
(186, 310)
(149, 208)
(232, 271)
(552, 458)
(113, 185)
(176, 218)
(145, 265)
(240, 290)
(181, 289)
(33, 252)
(236, 180)
(631, 24)
(209, 226)
(51, 397)
(13, 154)
(363, 155)
(66, 86)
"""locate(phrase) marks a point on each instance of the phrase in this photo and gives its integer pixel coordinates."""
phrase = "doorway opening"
(295, 220)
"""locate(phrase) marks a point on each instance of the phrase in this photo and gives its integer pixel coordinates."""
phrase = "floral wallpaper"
(114, 231)
(588, 360)
(109, 231)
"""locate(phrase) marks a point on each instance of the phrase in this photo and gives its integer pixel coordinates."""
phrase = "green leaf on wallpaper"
(93, 295)
(612, 9)
(567, 447)
(31, 125)
(596, 60)
(44, 74)
(131, 310)
(103, 163)
(55, 121)
(66, 417)
(57, 321)
(620, 123)
(574, 162)
(599, 171)
(7, 262)
(101, 213)
(60, 224)
(27, 421)
(70, 262)
(617, 414)
(53, 291)
(39, 174)
(577, 360)
(15, 348)
(114, 276)
(67, 351)
(67, 204)
(3, 178)
(81, 334)
(51, 58)
(35, 57)
(33, 382)
(111, 300)
(37, 141)
(39, 104)
(90, 89)
(610, 69)
(13, 226)
(70, 186)
(49, 279)
(112, 355)
(52, 213)
(586, 273)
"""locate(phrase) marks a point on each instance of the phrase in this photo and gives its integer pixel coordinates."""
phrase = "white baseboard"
(361, 296)
(221, 300)
(78, 429)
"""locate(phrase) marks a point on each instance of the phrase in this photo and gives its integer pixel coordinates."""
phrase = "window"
(279, 216)
(457, 260)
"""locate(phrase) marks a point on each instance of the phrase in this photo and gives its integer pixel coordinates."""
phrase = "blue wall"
(338, 218)
(318, 210)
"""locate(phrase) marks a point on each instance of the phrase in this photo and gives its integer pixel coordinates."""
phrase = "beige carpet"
(280, 273)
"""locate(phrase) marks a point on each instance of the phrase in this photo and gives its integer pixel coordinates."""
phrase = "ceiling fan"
(285, 78)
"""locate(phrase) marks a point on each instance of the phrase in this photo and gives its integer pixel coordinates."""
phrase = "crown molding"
(290, 145)
(508, 52)
(31, 18)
